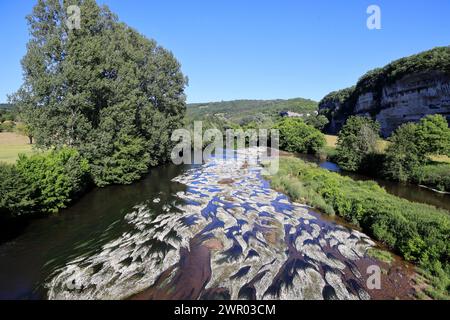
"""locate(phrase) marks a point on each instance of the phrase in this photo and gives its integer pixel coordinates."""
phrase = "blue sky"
(255, 49)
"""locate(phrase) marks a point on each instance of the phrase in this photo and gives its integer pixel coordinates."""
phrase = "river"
(216, 231)
(407, 191)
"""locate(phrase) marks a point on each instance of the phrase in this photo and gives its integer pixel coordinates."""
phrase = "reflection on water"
(407, 191)
(96, 219)
(228, 235)
(205, 232)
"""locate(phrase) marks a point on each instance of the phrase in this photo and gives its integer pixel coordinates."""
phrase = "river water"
(216, 231)
(407, 191)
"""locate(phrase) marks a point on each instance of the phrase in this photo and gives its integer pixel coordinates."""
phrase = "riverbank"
(408, 191)
(148, 241)
(419, 232)
(393, 160)
(233, 237)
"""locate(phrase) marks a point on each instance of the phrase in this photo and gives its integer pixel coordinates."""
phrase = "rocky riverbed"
(233, 238)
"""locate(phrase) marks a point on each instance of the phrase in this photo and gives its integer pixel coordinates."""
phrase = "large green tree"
(356, 142)
(403, 155)
(433, 135)
(412, 144)
(103, 88)
(297, 136)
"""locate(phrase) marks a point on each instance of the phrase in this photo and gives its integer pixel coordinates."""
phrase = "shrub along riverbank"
(408, 157)
(42, 183)
(418, 232)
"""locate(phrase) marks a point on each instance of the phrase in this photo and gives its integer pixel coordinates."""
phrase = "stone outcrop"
(409, 99)
(392, 102)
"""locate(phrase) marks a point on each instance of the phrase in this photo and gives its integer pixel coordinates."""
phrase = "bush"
(356, 142)
(319, 122)
(126, 165)
(54, 179)
(436, 176)
(412, 144)
(7, 126)
(17, 196)
(433, 135)
(297, 136)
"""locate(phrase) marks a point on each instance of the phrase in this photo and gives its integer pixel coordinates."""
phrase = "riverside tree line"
(102, 101)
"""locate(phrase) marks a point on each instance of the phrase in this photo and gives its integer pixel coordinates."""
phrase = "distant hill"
(241, 111)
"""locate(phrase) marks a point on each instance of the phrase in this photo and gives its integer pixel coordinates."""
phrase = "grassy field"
(331, 140)
(11, 145)
(443, 159)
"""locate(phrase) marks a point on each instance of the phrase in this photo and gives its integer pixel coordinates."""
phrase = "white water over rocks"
(270, 248)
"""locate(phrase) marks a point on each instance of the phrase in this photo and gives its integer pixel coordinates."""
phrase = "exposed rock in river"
(238, 240)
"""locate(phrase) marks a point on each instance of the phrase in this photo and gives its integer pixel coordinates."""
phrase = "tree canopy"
(357, 141)
(297, 136)
(412, 144)
(103, 89)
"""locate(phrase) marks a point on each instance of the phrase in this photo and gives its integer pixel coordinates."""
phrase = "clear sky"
(256, 49)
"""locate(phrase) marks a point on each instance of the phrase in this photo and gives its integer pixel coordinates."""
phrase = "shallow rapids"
(232, 238)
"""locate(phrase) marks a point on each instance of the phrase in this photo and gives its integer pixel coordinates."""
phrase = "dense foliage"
(340, 96)
(7, 114)
(408, 157)
(403, 156)
(357, 141)
(419, 232)
(103, 89)
(43, 182)
(410, 148)
(433, 135)
(242, 112)
(297, 136)
(319, 122)
(437, 59)
(436, 176)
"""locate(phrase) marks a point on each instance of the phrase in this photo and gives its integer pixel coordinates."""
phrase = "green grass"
(441, 159)
(382, 255)
(10, 153)
(418, 232)
(11, 145)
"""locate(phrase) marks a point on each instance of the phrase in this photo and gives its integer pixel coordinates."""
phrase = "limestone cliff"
(403, 91)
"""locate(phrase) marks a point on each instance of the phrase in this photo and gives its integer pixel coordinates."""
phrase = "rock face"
(408, 99)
